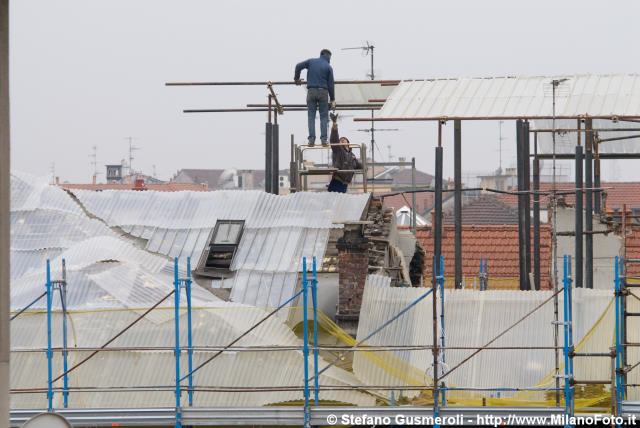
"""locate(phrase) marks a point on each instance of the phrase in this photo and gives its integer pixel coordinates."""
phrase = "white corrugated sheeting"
(110, 282)
(193, 210)
(594, 95)
(361, 93)
(30, 193)
(566, 142)
(212, 327)
(279, 231)
(473, 318)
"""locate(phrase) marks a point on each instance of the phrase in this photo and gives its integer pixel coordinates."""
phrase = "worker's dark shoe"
(325, 144)
(311, 142)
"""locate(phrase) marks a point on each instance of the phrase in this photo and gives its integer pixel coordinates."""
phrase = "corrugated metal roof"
(517, 97)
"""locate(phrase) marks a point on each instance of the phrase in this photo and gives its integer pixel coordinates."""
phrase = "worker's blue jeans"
(318, 99)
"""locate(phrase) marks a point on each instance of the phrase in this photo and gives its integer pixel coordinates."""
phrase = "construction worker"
(319, 92)
(342, 158)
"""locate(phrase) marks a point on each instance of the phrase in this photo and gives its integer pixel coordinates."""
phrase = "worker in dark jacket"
(319, 91)
(342, 158)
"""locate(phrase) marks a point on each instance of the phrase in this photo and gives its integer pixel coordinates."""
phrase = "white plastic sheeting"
(193, 210)
(30, 193)
(473, 318)
(278, 231)
(212, 327)
(566, 142)
(361, 93)
(111, 281)
(594, 95)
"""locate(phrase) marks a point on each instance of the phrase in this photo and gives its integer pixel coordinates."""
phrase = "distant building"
(231, 178)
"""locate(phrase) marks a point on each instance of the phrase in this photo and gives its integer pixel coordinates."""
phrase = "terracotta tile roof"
(161, 187)
(498, 244)
(633, 252)
(485, 209)
(424, 200)
(619, 194)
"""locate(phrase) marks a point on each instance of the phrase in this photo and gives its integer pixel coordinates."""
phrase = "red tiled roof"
(171, 186)
(633, 252)
(485, 209)
(498, 244)
(424, 200)
(619, 194)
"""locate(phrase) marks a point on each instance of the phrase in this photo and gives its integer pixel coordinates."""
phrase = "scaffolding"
(312, 410)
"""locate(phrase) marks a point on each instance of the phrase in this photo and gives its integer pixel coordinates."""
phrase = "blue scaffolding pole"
(441, 282)
(568, 366)
(314, 296)
(305, 343)
(179, 283)
(619, 347)
(49, 352)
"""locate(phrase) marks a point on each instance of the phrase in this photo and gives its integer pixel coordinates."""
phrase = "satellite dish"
(47, 420)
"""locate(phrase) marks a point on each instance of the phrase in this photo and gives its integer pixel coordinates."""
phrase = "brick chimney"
(353, 267)
(93, 179)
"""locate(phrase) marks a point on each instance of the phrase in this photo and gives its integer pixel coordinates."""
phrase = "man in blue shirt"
(319, 91)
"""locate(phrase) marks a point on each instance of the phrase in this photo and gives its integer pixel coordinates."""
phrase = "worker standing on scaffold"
(342, 158)
(320, 91)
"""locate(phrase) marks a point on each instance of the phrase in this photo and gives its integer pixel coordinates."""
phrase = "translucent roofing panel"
(29, 193)
(212, 327)
(361, 93)
(567, 141)
(473, 318)
(38, 229)
(258, 209)
(496, 97)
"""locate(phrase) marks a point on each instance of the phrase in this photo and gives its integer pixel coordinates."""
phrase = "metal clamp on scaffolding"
(303, 169)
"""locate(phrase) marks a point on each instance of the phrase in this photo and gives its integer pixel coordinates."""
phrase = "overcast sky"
(91, 73)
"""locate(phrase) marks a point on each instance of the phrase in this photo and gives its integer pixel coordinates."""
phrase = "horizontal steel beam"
(600, 155)
(284, 415)
(449, 118)
(283, 82)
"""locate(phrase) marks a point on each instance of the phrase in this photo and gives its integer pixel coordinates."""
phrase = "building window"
(222, 245)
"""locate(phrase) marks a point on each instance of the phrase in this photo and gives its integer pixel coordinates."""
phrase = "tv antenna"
(94, 160)
(368, 47)
(132, 148)
(500, 138)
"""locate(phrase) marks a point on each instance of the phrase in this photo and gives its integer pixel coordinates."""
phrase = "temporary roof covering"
(278, 231)
(472, 319)
(112, 279)
(602, 96)
(361, 93)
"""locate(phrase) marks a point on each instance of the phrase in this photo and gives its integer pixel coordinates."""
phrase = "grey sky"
(87, 73)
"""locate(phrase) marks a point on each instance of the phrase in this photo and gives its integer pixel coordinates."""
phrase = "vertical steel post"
(457, 178)
(49, 351)
(275, 157)
(588, 173)
(536, 214)
(413, 195)
(305, 342)
(187, 286)
(293, 175)
(63, 303)
(526, 181)
(522, 257)
(570, 315)
(176, 352)
(596, 177)
(314, 296)
(578, 219)
(437, 245)
(268, 132)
